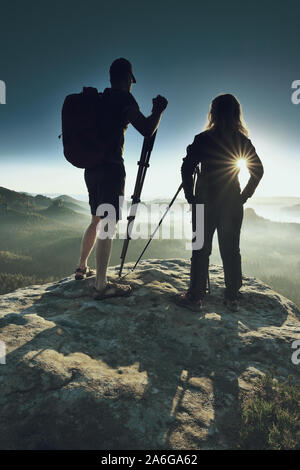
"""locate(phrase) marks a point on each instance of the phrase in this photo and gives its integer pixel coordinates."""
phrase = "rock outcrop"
(139, 372)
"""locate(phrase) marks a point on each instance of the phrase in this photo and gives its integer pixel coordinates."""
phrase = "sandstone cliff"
(139, 372)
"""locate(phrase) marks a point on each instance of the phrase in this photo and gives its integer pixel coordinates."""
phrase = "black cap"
(121, 67)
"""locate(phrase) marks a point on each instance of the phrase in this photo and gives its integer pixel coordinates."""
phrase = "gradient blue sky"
(188, 51)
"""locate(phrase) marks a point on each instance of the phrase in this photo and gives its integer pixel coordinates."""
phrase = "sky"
(187, 51)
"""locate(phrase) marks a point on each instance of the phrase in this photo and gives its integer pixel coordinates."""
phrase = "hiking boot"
(233, 305)
(187, 300)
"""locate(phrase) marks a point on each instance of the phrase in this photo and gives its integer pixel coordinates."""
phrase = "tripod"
(143, 164)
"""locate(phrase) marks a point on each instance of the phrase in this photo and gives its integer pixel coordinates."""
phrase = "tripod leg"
(143, 165)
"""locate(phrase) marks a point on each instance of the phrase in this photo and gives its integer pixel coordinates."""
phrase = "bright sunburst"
(241, 164)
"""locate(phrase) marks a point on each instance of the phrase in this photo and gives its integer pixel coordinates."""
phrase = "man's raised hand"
(159, 104)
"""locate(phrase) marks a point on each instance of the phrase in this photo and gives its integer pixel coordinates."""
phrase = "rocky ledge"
(139, 372)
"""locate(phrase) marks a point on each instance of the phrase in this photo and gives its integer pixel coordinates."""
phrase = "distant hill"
(24, 202)
(70, 199)
(21, 211)
(42, 201)
(295, 209)
(59, 210)
(21, 201)
(251, 216)
(275, 201)
(74, 204)
(14, 200)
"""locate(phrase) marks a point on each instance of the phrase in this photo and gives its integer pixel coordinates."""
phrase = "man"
(106, 182)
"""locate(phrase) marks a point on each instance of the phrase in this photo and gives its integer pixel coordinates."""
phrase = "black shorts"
(105, 184)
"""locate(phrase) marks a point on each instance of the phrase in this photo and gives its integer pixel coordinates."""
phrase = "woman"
(219, 149)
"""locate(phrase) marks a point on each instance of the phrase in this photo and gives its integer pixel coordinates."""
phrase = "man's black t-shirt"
(105, 182)
(116, 105)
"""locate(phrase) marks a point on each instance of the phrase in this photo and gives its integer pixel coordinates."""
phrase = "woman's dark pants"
(226, 217)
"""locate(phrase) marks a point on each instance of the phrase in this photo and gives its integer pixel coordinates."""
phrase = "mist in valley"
(40, 238)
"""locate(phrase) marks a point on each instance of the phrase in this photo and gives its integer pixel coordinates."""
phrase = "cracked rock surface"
(139, 372)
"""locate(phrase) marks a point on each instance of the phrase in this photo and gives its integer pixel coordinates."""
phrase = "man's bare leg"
(88, 241)
(103, 252)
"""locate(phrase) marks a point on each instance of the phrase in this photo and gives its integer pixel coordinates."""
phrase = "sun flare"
(241, 164)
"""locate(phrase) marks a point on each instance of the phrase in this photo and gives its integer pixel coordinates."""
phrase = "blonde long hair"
(225, 114)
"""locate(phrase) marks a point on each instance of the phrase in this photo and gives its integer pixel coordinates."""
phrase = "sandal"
(113, 290)
(82, 273)
(186, 300)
